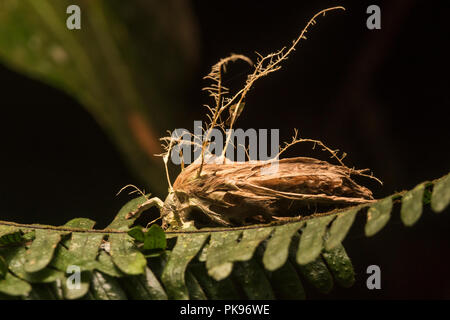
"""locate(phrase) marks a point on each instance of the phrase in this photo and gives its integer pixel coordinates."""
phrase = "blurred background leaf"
(378, 95)
(127, 65)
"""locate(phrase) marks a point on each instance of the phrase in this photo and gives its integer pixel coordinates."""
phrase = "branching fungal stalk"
(334, 154)
(216, 91)
(262, 69)
(234, 104)
(232, 193)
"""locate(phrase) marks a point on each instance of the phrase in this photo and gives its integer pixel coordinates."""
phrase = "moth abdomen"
(239, 191)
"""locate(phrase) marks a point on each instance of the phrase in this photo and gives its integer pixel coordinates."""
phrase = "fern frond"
(205, 263)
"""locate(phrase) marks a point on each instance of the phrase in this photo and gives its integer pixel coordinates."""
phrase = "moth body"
(237, 193)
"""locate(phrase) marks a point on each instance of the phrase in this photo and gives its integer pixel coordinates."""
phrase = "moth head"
(173, 205)
(174, 200)
(181, 196)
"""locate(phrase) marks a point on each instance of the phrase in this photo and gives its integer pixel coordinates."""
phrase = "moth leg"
(214, 216)
(145, 206)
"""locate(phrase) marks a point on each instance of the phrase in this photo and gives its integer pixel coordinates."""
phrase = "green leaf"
(286, 283)
(82, 223)
(412, 205)
(72, 290)
(57, 288)
(250, 275)
(245, 249)
(5, 230)
(215, 290)
(10, 235)
(440, 198)
(12, 238)
(318, 275)
(277, 249)
(137, 234)
(107, 266)
(378, 215)
(251, 238)
(83, 249)
(104, 287)
(41, 250)
(219, 262)
(144, 287)
(340, 265)
(41, 292)
(77, 223)
(427, 193)
(120, 221)
(311, 241)
(157, 264)
(195, 290)
(105, 65)
(14, 286)
(221, 245)
(17, 265)
(125, 255)
(3, 268)
(155, 238)
(85, 246)
(340, 227)
(62, 258)
(173, 276)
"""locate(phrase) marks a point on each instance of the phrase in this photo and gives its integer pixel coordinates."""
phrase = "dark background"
(380, 95)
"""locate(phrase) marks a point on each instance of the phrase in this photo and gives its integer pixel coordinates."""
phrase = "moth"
(214, 190)
(237, 193)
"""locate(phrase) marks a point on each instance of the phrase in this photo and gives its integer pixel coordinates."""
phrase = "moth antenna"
(136, 189)
(153, 221)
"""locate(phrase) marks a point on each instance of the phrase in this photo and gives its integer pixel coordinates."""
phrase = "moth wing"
(264, 192)
(302, 178)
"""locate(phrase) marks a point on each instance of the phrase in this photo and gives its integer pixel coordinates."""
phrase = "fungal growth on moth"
(215, 191)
